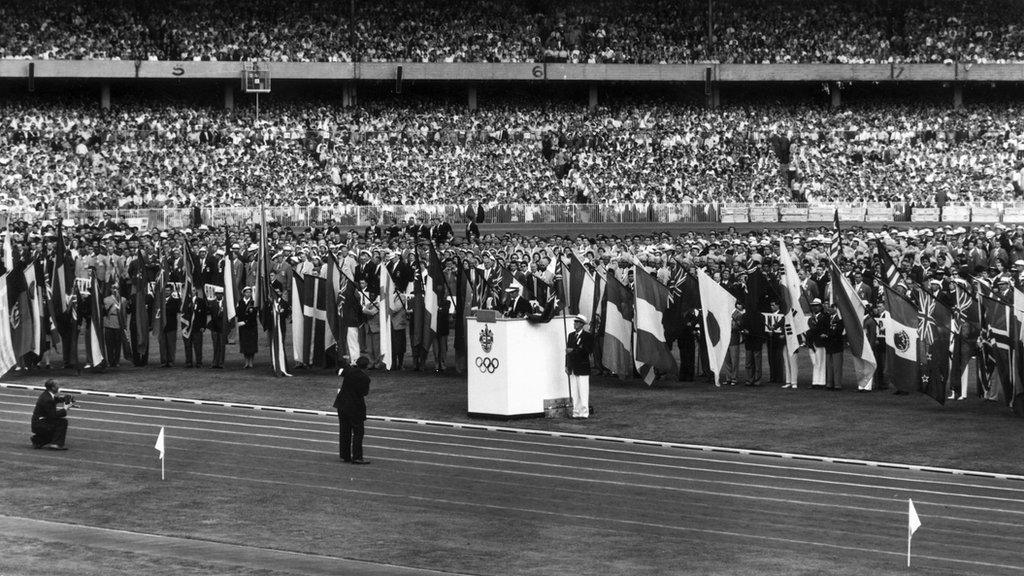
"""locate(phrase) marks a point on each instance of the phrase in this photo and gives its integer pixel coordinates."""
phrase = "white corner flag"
(914, 524)
(160, 448)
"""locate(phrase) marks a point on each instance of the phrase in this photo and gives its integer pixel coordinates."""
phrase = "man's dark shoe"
(360, 461)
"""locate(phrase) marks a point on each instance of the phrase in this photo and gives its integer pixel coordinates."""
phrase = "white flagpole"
(163, 478)
(913, 523)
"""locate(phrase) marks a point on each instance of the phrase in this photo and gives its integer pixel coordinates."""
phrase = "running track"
(693, 510)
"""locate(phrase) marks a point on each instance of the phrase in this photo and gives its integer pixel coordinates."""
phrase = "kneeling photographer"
(49, 419)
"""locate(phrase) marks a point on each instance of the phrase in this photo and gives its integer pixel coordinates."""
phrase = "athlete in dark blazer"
(49, 419)
(351, 405)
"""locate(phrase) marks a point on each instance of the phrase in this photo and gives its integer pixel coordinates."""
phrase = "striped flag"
(836, 250)
(300, 349)
(617, 348)
(717, 305)
(890, 273)
(852, 311)
(650, 348)
(63, 281)
(7, 357)
(433, 296)
(997, 344)
(278, 357)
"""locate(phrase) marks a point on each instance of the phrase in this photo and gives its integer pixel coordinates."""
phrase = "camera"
(66, 399)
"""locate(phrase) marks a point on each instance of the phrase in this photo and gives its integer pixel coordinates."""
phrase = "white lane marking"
(584, 448)
(959, 532)
(556, 434)
(583, 468)
(598, 519)
(537, 453)
(348, 562)
(784, 518)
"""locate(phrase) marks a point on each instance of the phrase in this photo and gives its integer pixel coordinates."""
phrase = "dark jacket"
(46, 412)
(836, 335)
(350, 401)
(577, 353)
(519, 308)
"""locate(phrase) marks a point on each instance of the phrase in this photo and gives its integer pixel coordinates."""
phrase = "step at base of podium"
(505, 416)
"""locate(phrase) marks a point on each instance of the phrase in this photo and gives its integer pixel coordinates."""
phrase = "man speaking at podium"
(577, 365)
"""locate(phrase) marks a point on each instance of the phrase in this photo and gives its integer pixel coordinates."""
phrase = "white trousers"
(865, 374)
(579, 388)
(818, 364)
(352, 343)
(790, 367)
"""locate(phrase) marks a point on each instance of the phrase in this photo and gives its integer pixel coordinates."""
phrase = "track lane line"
(599, 520)
(852, 461)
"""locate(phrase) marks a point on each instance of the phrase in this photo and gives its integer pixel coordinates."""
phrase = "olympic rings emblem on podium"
(487, 364)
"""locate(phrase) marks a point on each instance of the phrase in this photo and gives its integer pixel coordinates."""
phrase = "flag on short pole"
(913, 524)
(160, 448)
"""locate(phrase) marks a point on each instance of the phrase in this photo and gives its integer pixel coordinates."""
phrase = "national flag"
(229, 281)
(387, 293)
(158, 322)
(33, 275)
(312, 303)
(433, 296)
(575, 278)
(191, 264)
(652, 354)
(890, 273)
(334, 280)
(263, 297)
(141, 316)
(94, 328)
(7, 357)
(997, 343)
(159, 446)
(8, 252)
(278, 357)
(349, 312)
(851, 309)
(300, 349)
(62, 282)
(717, 306)
(901, 334)
(1018, 352)
(795, 307)
(935, 322)
(22, 324)
(836, 249)
(617, 347)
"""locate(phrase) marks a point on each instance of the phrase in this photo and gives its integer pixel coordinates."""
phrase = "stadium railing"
(669, 213)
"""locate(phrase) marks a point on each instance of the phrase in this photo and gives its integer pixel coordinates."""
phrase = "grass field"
(969, 434)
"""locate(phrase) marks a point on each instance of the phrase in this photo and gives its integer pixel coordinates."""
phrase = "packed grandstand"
(632, 31)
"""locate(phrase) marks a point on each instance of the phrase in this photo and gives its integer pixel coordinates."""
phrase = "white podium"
(514, 366)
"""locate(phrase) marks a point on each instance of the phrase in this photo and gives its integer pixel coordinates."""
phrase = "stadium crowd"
(959, 267)
(74, 157)
(631, 31)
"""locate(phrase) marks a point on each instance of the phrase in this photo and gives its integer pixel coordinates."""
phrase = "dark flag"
(22, 324)
(935, 325)
(140, 315)
(997, 344)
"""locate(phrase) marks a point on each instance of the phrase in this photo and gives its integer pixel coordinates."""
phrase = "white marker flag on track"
(914, 524)
(160, 448)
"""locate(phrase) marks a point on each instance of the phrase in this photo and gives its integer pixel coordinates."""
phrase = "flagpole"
(162, 469)
(565, 337)
(909, 536)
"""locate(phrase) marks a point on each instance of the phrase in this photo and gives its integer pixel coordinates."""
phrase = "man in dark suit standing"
(351, 405)
(373, 232)
(49, 419)
(578, 347)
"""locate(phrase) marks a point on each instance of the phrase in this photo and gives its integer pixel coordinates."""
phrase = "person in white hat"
(817, 328)
(578, 348)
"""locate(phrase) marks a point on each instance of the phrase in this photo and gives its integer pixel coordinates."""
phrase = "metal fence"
(678, 213)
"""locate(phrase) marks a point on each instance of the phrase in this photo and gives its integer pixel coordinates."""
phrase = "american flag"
(837, 242)
(890, 274)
